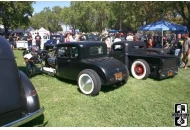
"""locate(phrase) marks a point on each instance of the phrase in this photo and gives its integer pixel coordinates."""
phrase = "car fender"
(99, 70)
(32, 100)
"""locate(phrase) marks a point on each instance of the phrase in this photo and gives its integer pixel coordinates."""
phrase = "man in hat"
(38, 40)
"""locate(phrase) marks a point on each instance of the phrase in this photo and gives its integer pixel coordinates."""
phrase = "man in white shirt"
(117, 38)
(129, 37)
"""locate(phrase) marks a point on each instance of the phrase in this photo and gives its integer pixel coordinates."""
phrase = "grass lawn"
(137, 103)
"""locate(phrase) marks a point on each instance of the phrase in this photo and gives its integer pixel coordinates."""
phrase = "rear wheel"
(89, 82)
(30, 69)
(140, 69)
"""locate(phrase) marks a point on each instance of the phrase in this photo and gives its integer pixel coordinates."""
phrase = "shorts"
(12, 43)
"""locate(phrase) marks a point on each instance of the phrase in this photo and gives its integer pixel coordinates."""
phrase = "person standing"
(129, 37)
(38, 40)
(186, 50)
(29, 39)
(117, 38)
(67, 37)
(149, 43)
(107, 41)
(178, 46)
(11, 41)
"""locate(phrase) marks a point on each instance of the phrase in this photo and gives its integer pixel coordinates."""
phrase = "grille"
(169, 63)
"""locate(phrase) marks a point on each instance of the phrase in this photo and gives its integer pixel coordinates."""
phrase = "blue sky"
(40, 5)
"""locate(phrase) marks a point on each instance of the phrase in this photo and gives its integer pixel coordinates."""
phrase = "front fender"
(32, 100)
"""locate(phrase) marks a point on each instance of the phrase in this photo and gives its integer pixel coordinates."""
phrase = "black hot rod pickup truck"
(144, 63)
(19, 102)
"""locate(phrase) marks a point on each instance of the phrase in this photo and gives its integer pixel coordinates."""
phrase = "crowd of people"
(179, 44)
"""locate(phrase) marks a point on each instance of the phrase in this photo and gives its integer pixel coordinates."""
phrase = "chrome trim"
(25, 119)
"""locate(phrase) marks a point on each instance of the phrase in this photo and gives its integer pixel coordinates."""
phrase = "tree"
(15, 14)
(47, 18)
(182, 8)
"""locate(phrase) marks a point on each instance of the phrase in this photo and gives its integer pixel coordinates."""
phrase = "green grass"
(137, 103)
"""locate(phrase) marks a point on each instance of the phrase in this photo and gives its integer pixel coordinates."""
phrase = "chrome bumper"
(25, 119)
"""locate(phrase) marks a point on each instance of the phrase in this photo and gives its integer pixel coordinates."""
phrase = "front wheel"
(140, 69)
(30, 69)
(89, 82)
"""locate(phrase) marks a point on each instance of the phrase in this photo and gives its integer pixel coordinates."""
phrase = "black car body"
(19, 99)
(86, 62)
(143, 62)
(53, 41)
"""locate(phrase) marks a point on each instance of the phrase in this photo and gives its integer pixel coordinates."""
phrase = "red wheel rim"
(139, 69)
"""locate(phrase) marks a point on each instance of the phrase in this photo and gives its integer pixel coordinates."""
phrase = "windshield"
(55, 37)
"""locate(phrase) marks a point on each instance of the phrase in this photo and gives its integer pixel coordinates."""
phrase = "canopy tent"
(163, 26)
(18, 31)
(113, 31)
(29, 29)
(43, 31)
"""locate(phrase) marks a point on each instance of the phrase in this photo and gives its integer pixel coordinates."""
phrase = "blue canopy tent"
(113, 31)
(163, 26)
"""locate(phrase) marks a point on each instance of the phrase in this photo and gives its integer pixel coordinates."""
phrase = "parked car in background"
(19, 101)
(22, 43)
(54, 39)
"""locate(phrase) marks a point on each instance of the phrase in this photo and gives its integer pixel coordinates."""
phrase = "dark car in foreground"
(54, 39)
(86, 62)
(19, 102)
(143, 62)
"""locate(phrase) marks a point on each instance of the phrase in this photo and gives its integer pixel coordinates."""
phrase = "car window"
(117, 47)
(138, 47)
(63, 52)
(74, 51)
(96, 50)
(45, 37)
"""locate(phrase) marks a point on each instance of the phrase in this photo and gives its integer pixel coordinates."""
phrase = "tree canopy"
(15, 14)
(95, 15)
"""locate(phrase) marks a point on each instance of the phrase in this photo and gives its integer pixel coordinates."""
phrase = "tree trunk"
(6, 32)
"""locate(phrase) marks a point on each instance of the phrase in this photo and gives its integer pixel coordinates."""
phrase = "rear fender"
(32, 100)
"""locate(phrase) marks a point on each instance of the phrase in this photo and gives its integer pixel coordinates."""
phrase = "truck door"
(117, 51)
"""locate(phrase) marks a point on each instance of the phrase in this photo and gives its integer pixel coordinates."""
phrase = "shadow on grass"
(23, 69)
(39, 121)
(104, 88)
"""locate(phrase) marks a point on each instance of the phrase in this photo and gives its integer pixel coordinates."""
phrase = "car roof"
(6, 52)
(86, 43)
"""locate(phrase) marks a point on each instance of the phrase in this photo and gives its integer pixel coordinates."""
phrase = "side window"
(44, 37)
(138, 47)
(96, 50)
(117, 47)
(63, 52)
(74, 51)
